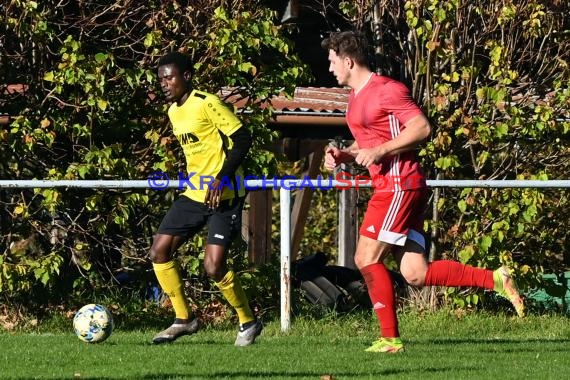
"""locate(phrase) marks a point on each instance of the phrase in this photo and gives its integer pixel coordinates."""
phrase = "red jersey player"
(387, 126)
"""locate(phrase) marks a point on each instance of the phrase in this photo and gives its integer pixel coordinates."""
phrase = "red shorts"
(393, 217)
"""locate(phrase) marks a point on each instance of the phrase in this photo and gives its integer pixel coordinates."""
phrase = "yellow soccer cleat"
(388, 345)
(505, 287)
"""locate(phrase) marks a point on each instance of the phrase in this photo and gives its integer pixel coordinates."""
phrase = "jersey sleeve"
(400, 102)
(221, 116)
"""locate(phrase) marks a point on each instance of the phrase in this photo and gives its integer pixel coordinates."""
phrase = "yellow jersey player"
(214, 144)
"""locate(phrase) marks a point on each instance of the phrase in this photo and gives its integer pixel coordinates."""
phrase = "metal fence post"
(285, 211)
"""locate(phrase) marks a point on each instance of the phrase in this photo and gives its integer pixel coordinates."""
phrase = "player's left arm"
(416, 131)
(241, 143)
(228, 124)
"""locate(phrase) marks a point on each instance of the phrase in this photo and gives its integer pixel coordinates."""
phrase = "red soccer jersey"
(376, 114)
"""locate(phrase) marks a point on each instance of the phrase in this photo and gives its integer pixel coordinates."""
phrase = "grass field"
(439, 345)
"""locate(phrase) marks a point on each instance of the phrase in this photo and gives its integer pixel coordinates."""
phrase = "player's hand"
(332, 157)
(368, 157)
(214, 194)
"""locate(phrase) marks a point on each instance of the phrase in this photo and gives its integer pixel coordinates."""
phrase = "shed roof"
(314, 99)
(315, 106)
(326, 100)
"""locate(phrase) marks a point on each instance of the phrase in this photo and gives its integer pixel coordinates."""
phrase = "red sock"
(452, 273)
(381, 291)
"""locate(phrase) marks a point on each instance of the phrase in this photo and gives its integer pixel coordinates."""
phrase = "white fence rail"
(270, 182)
(285, 187)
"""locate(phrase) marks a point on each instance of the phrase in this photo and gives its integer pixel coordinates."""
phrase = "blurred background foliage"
(79, 79)
(89, 108)
(493, 77)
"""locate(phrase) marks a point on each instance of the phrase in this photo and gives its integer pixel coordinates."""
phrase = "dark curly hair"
(182, 61)
(348, 44)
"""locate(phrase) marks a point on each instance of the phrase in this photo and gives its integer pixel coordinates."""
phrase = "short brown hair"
(348, 44)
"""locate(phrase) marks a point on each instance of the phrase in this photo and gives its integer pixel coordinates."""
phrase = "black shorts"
(187, 217)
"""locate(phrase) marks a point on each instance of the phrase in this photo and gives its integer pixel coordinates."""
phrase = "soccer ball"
(93, 323)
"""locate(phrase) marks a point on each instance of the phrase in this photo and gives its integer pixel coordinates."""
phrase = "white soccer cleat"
(248, 333)
(176, 330)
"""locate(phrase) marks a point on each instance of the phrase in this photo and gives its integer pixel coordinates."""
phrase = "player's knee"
(359, 261)
(213, 269)
(209, 268)
(413, 276)
(157, 255)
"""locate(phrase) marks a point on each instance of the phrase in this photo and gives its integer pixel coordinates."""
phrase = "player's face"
(173, 83)
(339, 67)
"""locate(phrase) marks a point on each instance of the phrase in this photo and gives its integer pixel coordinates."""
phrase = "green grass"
(439, 345)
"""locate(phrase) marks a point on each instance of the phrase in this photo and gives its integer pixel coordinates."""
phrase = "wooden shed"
(309, 121)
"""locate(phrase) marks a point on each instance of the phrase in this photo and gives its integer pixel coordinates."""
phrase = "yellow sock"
(168, 275)
(233, 292)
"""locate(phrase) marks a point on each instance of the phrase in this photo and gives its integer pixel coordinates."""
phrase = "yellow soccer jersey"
(202, 126)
